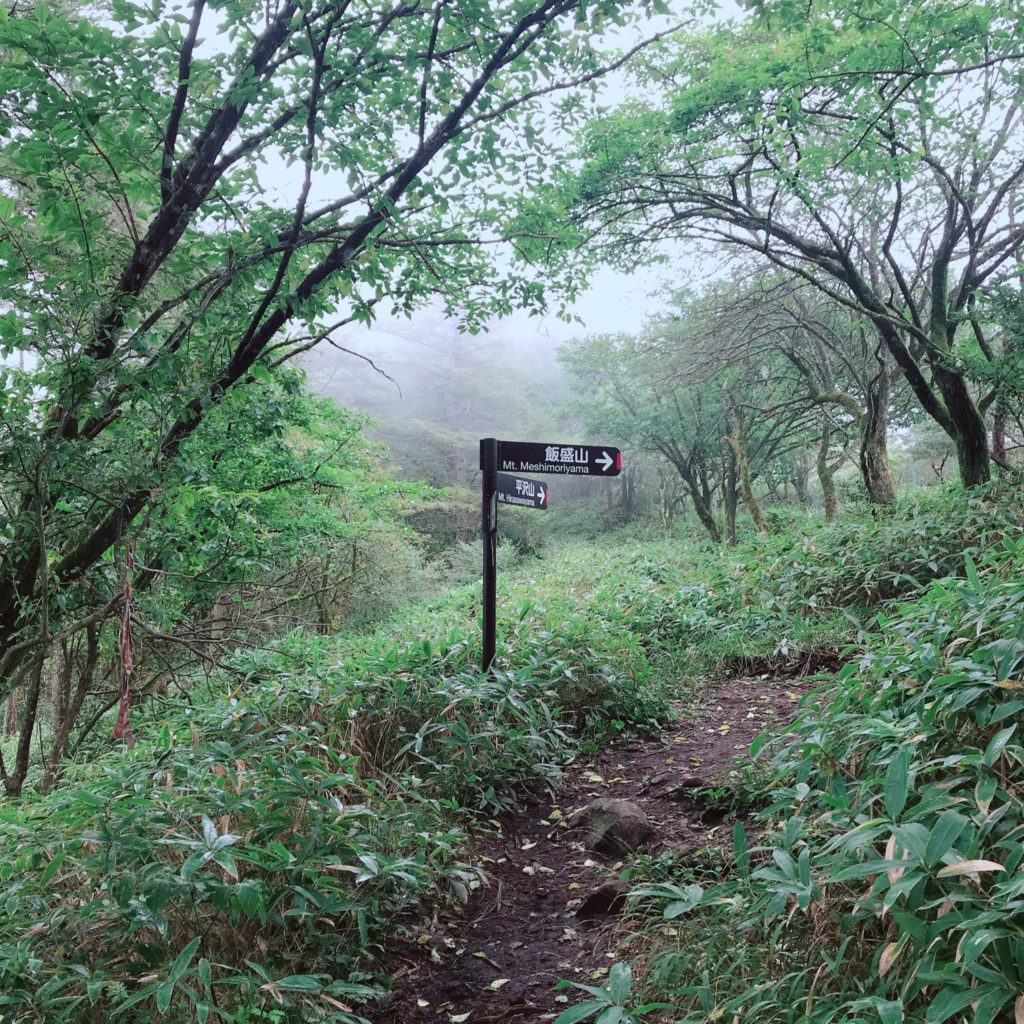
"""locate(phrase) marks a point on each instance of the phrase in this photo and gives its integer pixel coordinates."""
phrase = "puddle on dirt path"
(548, 911)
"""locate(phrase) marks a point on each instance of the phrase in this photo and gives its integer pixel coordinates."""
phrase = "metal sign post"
(489, 511)
(525, 457)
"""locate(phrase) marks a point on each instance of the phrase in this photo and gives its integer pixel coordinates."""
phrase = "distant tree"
(831, 359)
(876, 150)
(672, 390)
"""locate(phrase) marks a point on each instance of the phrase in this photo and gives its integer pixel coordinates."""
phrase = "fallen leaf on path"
(496, 984)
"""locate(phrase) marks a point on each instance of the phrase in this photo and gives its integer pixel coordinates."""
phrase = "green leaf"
(740, 849)
(944, 834)
(758, 743)
(890, 1011)
(299, 983)
(182, 960)
(52, 868)
(896, 784)
(997, 744)
(165, 989)
(870, 867)
(692, 896)
(950, 1001)
(620, 981)
(581, 1011)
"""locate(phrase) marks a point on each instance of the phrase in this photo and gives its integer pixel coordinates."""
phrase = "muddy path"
(549, 910)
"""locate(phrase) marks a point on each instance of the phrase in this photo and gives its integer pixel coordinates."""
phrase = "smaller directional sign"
(568, 459)
(516, 490)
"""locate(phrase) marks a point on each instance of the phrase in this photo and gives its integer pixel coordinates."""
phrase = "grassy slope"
(889, 887)
(256, 851)
(251, 858)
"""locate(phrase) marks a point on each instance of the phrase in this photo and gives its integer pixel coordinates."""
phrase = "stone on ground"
(615, 826)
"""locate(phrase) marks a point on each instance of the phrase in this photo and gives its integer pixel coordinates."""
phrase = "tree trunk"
(966, 424)
(730, 499)
(693, 473)
(825, 475)
(14, 781)
(801, 470)
(72, 707)
(11, 714)
(999, 411)
(737, 440)
(999, 431)
(705, 515)
(874, 449)
(968, 431)
(668, 498)
(627, 493)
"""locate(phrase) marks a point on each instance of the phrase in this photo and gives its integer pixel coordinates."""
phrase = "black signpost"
(499, 460)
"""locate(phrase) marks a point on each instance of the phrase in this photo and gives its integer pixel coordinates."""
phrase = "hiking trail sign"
(567, 459)
(516, 490)
(500, 461)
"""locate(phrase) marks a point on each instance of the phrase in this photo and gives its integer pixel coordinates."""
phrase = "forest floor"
(550, 907)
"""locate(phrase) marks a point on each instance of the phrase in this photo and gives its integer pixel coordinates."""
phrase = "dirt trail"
(549, 910)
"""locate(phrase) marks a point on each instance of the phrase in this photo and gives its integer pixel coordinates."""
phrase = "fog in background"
(433, 391)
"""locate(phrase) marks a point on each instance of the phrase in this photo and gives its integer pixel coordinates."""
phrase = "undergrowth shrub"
(889, 887)
(255, 856)
(786, 604)
(889, 552)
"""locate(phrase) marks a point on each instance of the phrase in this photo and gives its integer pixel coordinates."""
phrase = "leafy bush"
(889, 887)
(888, 553)
(254, 855)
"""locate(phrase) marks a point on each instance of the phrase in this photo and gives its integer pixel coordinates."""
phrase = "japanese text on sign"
(579, 456)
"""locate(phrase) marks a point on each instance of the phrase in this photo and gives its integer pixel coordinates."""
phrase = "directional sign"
(495, 486)
(569, 459)
(516, 490)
